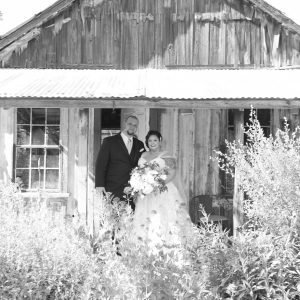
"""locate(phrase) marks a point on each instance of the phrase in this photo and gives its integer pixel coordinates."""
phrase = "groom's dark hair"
(150, 133)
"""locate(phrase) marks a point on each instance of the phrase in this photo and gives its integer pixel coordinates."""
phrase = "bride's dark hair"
(150, 133)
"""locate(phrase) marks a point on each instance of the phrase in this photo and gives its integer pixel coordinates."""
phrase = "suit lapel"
(134, 149)
(122, 144)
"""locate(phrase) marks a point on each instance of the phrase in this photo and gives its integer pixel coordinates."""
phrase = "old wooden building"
(189, 68)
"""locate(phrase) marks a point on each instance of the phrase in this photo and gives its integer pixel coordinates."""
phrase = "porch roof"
(150, 87)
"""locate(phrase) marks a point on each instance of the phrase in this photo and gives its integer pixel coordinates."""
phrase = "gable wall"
(158, 34)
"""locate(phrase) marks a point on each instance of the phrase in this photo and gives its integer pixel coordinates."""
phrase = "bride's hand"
(171, 175)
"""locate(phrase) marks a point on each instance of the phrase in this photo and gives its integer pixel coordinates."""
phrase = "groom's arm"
(102, 163)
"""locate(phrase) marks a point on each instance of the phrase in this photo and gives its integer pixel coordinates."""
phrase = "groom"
(118, 155)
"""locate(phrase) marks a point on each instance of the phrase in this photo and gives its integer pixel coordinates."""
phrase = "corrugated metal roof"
(150, 84)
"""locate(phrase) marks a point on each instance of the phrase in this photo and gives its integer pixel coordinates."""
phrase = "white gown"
(162, 219)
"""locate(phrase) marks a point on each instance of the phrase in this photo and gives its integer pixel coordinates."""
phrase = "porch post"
(238, 196)
(7, 120)
(82, 162)
(94, 200)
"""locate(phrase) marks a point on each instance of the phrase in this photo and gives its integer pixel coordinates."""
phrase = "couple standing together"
(158, 218)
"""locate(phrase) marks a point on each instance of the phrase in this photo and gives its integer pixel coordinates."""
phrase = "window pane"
(267, 131)
(110, 118)
(231, 136)
(38, 116)
(53, 116)
(38, 135)
(23, 135)
(230, 117)
(22, 178)
(22, 159)
(23, 116)
(37, 179)
(247, 116)
(53, 135)
(264, 117)
(52, 160)
(52, 177)
(37, 158)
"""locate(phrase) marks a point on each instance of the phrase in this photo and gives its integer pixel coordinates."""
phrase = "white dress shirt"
(126, 139)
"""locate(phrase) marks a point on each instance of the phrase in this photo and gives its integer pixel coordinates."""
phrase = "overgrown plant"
(41, 256)
(264, 259)
(179, 272)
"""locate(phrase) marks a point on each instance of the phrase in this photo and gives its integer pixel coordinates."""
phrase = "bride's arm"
(171, 164)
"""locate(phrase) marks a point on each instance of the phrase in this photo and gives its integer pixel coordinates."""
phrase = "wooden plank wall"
(186, 153)
(82, 163)
(238, 196)
(209, 134)
(81, 147)
(193, 136)
(291, 115)
(141, 33)
(73, 126)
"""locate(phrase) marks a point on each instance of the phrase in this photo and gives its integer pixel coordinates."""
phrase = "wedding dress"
(162, 218)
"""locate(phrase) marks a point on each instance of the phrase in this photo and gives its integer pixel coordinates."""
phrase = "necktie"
(129, 145)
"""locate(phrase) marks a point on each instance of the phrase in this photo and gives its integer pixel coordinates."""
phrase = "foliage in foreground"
(45, 257)
(265, 256)
(41, 255)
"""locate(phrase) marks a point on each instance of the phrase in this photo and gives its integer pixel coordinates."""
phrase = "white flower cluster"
(147, 179)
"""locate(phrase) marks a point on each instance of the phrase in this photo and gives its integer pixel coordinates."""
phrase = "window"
(263, 116)
(110, 122)
(37, 161)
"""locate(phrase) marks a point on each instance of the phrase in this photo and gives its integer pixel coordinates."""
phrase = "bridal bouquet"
(147, 179)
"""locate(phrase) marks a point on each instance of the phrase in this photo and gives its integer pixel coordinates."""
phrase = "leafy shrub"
(178, 272)
(41, 256)
(44, 257)
(270, 176)
(263, 261)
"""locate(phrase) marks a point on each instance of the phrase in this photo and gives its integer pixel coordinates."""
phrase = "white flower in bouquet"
(163, 177)
(147, 189)
(149, 178)
(135, 181)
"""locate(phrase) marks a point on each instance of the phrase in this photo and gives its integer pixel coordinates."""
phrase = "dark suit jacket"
(114, 164)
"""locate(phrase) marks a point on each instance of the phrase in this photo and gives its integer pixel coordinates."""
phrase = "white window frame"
(44, 146)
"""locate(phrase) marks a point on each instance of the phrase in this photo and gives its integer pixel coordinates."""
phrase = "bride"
(161, 219)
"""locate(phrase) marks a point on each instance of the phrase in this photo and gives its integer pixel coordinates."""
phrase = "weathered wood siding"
(79, 149)
(292, 116)
(193, 136)
(158, 34)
